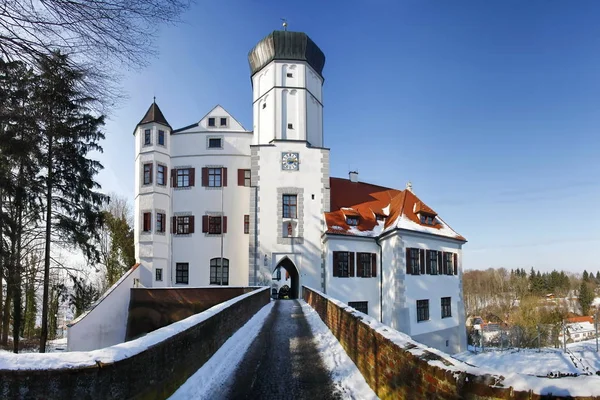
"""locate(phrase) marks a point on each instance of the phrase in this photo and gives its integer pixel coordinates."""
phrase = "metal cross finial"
(285, 24)
(154, 99)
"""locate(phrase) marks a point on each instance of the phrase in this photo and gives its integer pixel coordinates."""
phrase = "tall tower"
(289, 166)
(287, 86)
(153, 201)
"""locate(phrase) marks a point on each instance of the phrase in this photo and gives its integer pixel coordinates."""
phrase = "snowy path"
(284, 351)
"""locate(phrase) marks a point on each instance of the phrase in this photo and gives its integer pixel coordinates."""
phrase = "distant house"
(578, 329)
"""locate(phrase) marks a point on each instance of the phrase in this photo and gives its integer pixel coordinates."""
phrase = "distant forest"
(510, 295)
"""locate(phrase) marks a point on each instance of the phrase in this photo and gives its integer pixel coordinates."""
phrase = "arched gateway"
(289, 266)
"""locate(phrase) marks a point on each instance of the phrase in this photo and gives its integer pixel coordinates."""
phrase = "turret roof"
(154, 115)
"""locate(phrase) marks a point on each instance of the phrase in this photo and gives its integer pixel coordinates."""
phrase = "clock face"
(289, 161)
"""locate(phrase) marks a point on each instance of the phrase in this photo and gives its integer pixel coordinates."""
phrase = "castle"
(216, 204)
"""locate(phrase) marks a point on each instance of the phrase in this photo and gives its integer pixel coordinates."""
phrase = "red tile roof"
(399, 207)
(581, 319)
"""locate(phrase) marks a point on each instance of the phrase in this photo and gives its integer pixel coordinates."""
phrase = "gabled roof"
(399, 207)
(202, 125)
(154, 115)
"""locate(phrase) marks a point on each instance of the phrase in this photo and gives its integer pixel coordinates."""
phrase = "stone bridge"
(156, 364)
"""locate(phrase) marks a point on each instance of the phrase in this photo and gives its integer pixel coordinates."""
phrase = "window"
(422, 310)
(362, 306)
(290, 203)
(214, 143)
(289, 75)
(147, 137)
(243, 177)
(161, 138)
(427, 219)
(367, 265)
(246, 224)
(432, 262)
(147, 223)
(161, 170)
(147, 174)
(223, 121)
(214, 225)
(214, 177)
(446, 307)
(184, 225)
(160, 222)
(343, 264)
(448, 263)
(183, 177)
(278, 275)
(218, 275)
(352, 221)
(211, 122)
(158, 274)
(290, 126)
(182, 273)
(413, 266)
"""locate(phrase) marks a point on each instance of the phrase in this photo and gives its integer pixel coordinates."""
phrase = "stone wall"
(396, 367)
(154, 372)
(153, 308)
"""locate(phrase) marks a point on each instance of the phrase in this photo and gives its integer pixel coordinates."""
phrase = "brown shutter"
(422, 260)
(224, 176)
(147, 221)
(455, 264)
(440, 262)
(192, 176)
(335, 264)
(174, 225)
(241, 177)
(151, 172)
(191, 224)
(359, 267)
(204, 223)
(173, 178)
(408, 271)
(351, 262)
(224, 224)
(373, 264)
(204, 176)
(428, 262)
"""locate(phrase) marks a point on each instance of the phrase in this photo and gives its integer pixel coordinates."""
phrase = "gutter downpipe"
(380, 280)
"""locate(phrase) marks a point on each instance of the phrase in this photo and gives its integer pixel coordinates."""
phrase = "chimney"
(353, 176)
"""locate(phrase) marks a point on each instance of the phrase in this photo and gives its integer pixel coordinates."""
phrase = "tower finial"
(285, 24)
(154, 99)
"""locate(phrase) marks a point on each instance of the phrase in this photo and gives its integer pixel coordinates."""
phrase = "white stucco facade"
(214, 194)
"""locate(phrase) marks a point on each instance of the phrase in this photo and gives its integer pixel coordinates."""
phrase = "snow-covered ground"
(581, 358)
(53, 346)
(211, 379)
(214, 376)
(344, 373)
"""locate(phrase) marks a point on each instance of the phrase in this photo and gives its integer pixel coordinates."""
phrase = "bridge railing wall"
(150, 367)
(396, 367)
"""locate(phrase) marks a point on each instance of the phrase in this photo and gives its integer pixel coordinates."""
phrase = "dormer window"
(289, 75)
(290, 126)
(211, 122)
(427, 219)
(380, 218)
(352, 221)
(223, 122)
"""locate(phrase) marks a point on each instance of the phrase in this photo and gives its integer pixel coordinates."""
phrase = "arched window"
(218, 275)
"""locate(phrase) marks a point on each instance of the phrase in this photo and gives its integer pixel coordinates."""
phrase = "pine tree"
(586, 277)
(69, 132)
(586, 297)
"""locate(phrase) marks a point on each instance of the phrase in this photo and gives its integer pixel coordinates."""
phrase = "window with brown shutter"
(243, 177)
(205, 224)
(455, 264)
(192, 176)
(160, 222)
(174, 225)
(373, 265)
(351, 256)
(191, 224)
(184, 177)
(359, 267)
(173, 178)
(440, 262)
(240, 177)
(204, 176)
(428, 262)
(147, 222)
(224, 172)
(246, 224)
(343, 265)
(224, 224)
(408, 268)
(185, 224)
(335, 264)
(413, 261)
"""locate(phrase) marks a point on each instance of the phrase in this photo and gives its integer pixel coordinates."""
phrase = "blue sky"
(490, 108)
